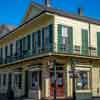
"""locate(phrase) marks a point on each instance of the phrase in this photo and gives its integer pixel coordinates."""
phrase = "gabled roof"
(45, 9)
(66, 14)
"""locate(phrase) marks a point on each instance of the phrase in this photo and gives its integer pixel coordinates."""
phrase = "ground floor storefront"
(34, 79)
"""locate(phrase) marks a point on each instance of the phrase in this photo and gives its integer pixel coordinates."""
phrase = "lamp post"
(73, 79)
(73, 75)
(54, 70)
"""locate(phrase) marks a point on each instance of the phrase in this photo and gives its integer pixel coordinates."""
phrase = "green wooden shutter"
(70, 39)
(98, 43)
(29, 42)
(37, 41)
(33, 46)
(84, 42)
(50, 36)
(11, 49)
(43, 39)
(59, 37)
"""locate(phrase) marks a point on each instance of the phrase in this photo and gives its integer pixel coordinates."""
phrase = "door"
(9, 81)
(26, 84)
(59, 82)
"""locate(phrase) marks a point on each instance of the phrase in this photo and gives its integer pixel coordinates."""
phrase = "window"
(11, 49)
(24, 44)
(1, 52)
(50, 36)
(47, 35)
(83, 80)
(33, 42)
(18, 80)
(60, 79)
(65, 38)
(1, 55)
(29, 42)
(39, 39)
(20, 46)
(4, 79)
(35, 80)
(17, 47)
(6, 51)
(43, 41)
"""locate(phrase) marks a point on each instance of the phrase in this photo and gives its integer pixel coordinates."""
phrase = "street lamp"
(73, 75)
(53, 64)
(54, 70)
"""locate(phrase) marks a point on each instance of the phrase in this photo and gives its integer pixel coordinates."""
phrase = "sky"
(13, 11)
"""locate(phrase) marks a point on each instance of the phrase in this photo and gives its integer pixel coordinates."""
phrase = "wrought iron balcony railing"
(76, 50)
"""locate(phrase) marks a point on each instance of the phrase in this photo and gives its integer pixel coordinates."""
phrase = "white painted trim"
(83, 91)
(80, 65)
(34, 69)
(82, 69)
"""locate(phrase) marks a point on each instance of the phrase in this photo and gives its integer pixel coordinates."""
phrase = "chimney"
(47, 3)
(80, 11)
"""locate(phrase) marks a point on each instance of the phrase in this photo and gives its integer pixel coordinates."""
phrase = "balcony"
(25, 54)
(76, 50)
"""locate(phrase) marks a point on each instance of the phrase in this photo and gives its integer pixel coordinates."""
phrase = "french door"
(59, 82)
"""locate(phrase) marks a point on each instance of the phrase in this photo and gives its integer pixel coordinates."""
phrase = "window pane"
(4, 79)
(11, 49)
(82, 82)
(64, 31)
(18, 80)
(35, 80)
(29, 41)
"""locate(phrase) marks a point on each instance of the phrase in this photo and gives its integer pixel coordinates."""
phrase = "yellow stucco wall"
(77, 27)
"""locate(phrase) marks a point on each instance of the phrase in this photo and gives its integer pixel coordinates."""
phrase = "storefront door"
(59, 82)
(34, 90)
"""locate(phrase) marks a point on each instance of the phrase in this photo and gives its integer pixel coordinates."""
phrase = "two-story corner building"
(46, 34)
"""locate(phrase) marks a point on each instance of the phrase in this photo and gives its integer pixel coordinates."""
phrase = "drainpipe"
(89, 39)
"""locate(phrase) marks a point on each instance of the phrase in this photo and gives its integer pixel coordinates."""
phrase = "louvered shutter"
(59, 37)
(70, 39)
(98, 43)
(84, 42)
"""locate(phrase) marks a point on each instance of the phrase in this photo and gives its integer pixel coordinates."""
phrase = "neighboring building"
(5, 28)
(27, 52)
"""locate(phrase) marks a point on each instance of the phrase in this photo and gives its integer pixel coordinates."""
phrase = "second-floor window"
(33, 42)
(29, 42)
(11, 49)
(6, 52)
(1, 54)
(65, 38)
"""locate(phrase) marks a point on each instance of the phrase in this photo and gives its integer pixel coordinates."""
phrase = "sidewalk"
(3, 97)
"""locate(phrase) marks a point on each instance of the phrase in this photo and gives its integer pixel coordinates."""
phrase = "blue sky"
(13, 11)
